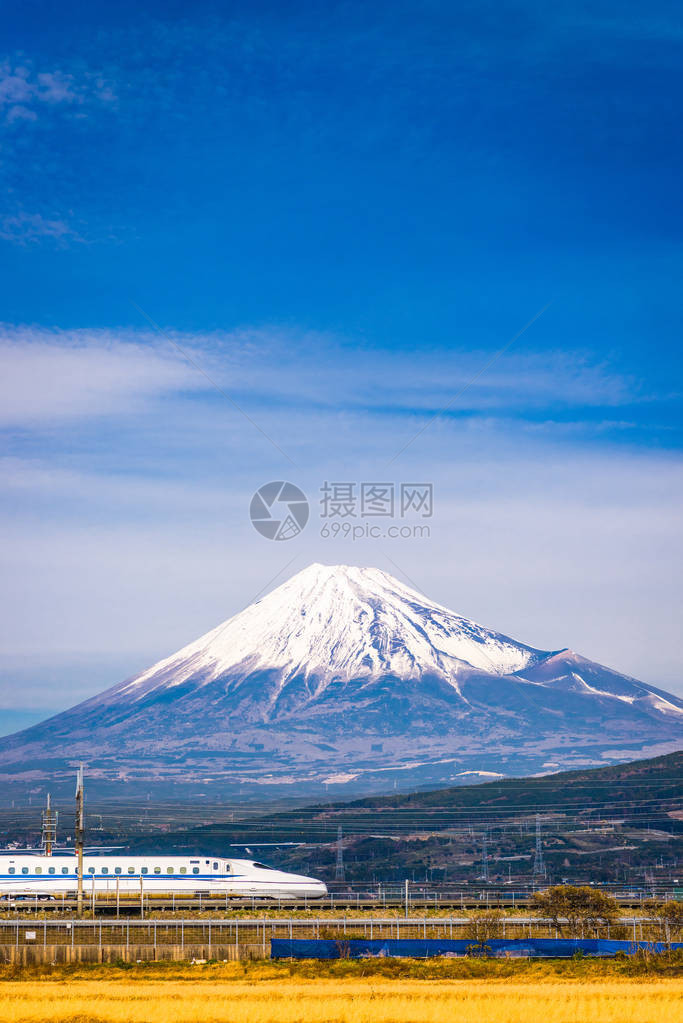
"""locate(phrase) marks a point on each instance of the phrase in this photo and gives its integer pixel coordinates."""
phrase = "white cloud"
(30, 227)
(28, 95)
(25, 92)
(56, 87)
(56, 376)
(18, 112)
(69, 374)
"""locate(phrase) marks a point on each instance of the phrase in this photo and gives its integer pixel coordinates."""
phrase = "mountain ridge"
(345, 676)
(635, 805)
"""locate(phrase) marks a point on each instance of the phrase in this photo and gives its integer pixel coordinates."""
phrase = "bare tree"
(488, 923)
(667, 920)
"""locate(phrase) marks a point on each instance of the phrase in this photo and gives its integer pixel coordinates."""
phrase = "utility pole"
(49, 828)
(484, 876)
(339, 872)
(79, 835)
(539, 863)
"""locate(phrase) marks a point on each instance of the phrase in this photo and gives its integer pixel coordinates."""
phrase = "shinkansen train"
(51, 875)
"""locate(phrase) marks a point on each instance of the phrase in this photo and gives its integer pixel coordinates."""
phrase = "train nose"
(312, 888)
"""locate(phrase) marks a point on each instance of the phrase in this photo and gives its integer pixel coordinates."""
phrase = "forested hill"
(646, 793)
(629, 786)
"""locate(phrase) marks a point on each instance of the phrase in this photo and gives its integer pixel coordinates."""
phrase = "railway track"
(370, 903)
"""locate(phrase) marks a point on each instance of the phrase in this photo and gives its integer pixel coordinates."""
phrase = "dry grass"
(203, 998)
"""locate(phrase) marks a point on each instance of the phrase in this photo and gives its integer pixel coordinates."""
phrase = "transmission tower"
(48, 829)
(539, 863)
(79, 836)
(484, 876)
(339, 872)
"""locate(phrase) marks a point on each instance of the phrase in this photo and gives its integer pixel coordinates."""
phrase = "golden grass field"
(271, 997)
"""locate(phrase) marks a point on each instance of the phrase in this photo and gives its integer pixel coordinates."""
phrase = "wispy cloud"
(34, 102)
(57, 376)
(26, 93)
(30, 227)
(54, 375)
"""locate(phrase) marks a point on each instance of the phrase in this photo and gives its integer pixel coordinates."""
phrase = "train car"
(57, 874)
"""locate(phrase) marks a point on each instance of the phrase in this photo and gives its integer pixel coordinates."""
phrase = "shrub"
(578, 909)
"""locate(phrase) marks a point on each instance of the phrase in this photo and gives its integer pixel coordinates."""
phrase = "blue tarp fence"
(424, 948)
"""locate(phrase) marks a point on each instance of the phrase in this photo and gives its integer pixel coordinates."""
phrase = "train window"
(91, 870)
(24, 870)
(144, 870)
(215, 866)
(262, 866)
(65, 870)
(12, 870)
(183, 870)
(105, 870)
(39, 870)
(195, 870)
(169, 870)
(157, 870)
(51, 870)
(131, 870)
(117, 870)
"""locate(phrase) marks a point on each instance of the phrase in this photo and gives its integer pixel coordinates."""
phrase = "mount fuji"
(344, 679)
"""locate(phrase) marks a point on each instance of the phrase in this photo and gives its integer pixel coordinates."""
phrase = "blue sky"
(340, 211)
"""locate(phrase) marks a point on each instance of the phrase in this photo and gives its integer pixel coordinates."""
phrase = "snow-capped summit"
(345, 676)
(340, 622)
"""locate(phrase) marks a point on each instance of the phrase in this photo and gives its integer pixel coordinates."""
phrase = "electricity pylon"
(339, 872)
(539, 863)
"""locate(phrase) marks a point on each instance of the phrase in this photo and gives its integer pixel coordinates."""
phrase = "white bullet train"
(57, 874)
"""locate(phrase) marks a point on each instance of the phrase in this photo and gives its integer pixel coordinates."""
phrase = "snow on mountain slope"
(336, 622)
(345, 676)
(573, 673)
